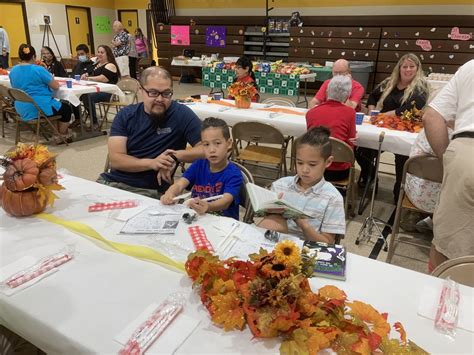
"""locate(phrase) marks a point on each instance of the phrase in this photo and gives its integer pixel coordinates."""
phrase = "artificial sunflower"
(288, 253)
(277, 270)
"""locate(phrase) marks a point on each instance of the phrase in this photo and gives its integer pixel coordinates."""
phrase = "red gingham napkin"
(101, 206)
(44, 267)
(199, 238)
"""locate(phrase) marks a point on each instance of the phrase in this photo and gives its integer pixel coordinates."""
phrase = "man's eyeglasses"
(155, 93)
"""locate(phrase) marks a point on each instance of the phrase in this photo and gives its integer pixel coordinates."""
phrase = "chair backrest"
(341, 151)
(427, 167)
(130, 87)
(257, 132)
(244, 197)
(280, 101)
(460, 270)
(20, 95)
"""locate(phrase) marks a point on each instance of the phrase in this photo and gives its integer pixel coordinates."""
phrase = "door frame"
(25, 16)
(91, 33)
(119, 12)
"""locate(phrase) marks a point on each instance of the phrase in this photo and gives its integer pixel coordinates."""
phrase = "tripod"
(372, 222)
(46, 32)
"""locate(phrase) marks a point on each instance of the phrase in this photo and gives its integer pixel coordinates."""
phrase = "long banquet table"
(83, 306)
(294, 124)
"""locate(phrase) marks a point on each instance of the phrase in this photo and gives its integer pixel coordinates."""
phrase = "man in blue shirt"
(149, 139)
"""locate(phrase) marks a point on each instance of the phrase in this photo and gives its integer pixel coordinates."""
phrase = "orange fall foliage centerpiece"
(243, 93)
(29, 180)
(409, 121)
(271, 294)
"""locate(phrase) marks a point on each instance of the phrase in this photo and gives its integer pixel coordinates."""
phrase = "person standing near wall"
(141, 43)
(121, 48)
(132, 56)
(5, 48)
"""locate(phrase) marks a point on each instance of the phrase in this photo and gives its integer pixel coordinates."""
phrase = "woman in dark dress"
(53, 65)
(404, 89)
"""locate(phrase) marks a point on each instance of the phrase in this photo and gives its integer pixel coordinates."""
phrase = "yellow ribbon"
(136, 251)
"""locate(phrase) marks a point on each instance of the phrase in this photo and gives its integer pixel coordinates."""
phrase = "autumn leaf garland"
(271, 294)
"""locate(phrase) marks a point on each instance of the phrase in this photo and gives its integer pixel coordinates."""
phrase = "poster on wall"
(180, 35)
(216, 36)
(102, 24)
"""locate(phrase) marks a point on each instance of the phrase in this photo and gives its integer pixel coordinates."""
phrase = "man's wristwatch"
(175, 158)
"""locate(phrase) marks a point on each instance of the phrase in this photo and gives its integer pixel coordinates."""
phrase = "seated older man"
(341, 67)
(149, 139)
(339, 118)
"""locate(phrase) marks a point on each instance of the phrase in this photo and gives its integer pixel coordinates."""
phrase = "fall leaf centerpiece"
(409, 121)
(242, 92)
(271, 294)
(29, 180)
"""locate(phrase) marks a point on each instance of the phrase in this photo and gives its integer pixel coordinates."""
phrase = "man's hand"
(4, 51)
(167, 198)
(163, 161)
(200, 206)
(164, 175)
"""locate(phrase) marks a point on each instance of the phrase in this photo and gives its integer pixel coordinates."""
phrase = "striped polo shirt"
(322, 202)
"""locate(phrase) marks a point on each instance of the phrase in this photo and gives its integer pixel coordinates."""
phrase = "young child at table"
(310, 192)
(212, 176)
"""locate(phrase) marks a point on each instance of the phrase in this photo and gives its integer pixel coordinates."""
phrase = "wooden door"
(13, 21)
(129, 19)
(79, 28)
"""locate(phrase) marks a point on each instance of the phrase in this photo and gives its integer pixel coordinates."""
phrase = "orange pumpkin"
(48, 177)
(20, 174)
(21, 203)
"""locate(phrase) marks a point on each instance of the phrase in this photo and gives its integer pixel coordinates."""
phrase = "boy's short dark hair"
(317, 137)
(216, 123)
(82, 47)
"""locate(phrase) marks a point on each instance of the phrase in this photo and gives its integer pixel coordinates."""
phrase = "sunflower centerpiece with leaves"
(242, 92)
(271, 294)
(29, 180)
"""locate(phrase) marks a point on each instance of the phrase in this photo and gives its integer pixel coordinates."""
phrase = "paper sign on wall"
(102, 24)
(180, 35)
(216, 36)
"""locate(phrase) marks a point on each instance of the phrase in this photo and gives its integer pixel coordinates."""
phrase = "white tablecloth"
(295, 125)
(83, 306)
(78, 88)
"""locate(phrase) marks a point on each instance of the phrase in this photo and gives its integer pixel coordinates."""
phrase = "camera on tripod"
(46, 19)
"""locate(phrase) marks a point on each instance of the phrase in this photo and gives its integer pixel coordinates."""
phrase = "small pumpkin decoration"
(22, 203)
(21, 174)
(29, 180)
(48, 176)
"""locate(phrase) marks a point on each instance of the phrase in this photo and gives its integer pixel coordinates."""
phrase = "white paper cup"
(204, 98)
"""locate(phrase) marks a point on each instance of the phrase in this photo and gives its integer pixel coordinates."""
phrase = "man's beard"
(158, 120)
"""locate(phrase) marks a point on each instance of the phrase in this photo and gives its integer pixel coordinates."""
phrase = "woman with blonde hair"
(403, 90)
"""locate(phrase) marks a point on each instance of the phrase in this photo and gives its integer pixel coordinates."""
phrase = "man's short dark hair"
(155, 71)
(82, 47)
(213, 122)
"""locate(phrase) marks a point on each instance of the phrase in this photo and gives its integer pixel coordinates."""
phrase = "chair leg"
(55, 130)
(396, 226)
(17, 134)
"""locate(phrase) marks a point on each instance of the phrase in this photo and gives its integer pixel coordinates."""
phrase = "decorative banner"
(424, 44)
(216, 36)
(459, 36)
(180, 35)
(102, 24)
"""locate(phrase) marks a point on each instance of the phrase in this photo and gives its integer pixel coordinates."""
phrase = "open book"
(267, 202)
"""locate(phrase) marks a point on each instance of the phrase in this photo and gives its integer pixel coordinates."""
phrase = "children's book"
(267, 202)
(330, 260)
